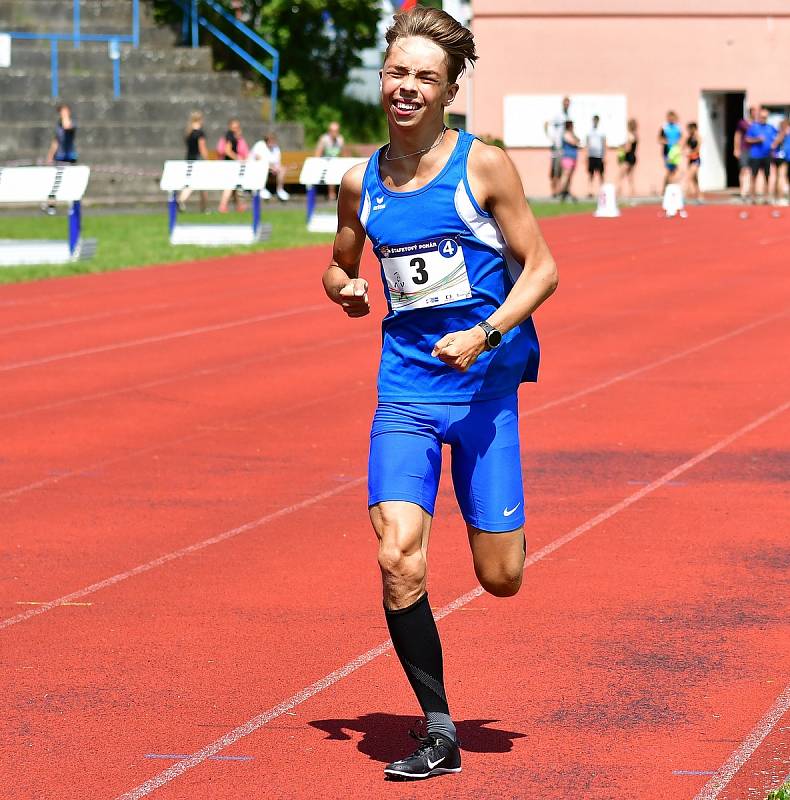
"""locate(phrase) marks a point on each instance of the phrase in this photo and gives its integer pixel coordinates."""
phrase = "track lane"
(278, 561)
(581, 486)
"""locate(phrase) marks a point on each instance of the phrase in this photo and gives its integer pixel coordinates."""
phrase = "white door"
(712, 170)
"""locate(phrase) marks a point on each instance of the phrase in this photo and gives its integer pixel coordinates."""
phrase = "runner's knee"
(400, 555)
(502, 578)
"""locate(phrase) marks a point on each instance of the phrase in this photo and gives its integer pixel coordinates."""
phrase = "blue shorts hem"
(500, 526)
(385, 497)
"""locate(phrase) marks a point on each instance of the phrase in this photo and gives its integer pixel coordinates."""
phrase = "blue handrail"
(113, 41)
(193, 19)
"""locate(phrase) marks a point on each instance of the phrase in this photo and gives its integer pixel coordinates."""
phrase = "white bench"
(215, 176)
(46, 185)
(323, 171)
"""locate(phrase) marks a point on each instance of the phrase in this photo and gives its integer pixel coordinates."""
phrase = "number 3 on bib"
(424, 274)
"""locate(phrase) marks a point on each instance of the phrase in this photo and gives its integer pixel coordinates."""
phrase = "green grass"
(782, 793)
(140, 239)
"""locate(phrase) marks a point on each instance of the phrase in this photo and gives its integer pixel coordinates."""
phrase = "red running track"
(190, 601)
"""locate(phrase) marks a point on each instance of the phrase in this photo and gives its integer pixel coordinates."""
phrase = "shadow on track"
(380, 731)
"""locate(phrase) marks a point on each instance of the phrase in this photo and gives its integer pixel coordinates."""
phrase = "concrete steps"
(151, 143)
(193, 86)
(56, 16)
(124, 140)
(34, 56)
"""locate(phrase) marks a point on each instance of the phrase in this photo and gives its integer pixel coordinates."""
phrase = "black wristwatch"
(493, 336)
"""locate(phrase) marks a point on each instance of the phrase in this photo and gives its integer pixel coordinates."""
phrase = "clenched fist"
(460, 350)
(354, 298)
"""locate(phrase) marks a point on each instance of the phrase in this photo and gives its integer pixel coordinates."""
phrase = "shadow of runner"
(379, 733)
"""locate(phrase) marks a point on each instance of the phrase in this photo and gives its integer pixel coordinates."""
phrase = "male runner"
(464, 267)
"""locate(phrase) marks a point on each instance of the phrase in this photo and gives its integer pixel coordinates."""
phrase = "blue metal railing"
(192, 19)
(113, 40)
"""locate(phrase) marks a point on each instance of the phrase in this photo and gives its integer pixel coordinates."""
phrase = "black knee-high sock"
(416, 641)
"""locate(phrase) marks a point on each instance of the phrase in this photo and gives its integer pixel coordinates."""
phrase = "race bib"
(425, 274)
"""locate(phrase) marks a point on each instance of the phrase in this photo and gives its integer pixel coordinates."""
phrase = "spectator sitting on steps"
(268, 150)
(232, 147)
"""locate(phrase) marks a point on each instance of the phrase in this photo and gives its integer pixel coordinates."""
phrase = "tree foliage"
(319, 42)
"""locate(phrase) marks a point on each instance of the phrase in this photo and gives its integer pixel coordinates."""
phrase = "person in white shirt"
(268, 150)
(555, 130)
(276, 167)
(596, 153)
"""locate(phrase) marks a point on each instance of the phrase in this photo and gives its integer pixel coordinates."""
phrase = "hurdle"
(322, 171)
(215, 176)
(46, 185)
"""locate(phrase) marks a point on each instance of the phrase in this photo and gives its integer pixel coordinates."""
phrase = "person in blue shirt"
(760, 137)
(463, 267)
(669, 137)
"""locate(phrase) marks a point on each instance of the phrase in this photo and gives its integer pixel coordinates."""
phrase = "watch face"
(494, 338)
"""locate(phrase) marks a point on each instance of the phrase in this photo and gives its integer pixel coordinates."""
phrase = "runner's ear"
(452, 91)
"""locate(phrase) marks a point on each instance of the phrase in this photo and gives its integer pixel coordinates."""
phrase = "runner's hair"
(439, 27)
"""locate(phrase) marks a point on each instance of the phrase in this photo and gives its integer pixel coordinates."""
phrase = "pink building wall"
(661, 54)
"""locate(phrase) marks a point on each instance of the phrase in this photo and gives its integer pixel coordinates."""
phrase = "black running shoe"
(436, 755)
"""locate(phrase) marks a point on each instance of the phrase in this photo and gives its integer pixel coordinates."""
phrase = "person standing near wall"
(596, 153)
(62, 150)
(692, 146)
(626, 157)
(197, 150)
(555, 129)
(781, 157)
(669, 137)
(331, 145)
(759, 138)
(570, 155)
(741, 151)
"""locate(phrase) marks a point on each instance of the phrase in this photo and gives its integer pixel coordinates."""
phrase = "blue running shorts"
(406, 458)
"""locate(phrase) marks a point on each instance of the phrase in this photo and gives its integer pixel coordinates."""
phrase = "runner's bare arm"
(342, 283)
(501, 194)
(497, 188)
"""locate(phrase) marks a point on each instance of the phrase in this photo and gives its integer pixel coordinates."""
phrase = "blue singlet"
(445, 267)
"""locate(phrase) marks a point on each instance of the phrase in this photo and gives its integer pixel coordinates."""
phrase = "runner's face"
(414, 82)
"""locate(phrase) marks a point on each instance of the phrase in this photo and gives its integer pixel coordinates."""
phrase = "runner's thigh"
(487, 464)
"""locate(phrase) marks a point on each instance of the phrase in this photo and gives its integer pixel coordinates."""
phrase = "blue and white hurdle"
(46, 185)
(321, 172)
(215, 176)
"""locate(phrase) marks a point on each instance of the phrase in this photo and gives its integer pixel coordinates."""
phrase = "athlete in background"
(692, 146)
(669, 138)
(464, 266)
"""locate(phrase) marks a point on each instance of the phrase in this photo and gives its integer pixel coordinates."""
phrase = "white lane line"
(260, 720)
(205, 430)
(288, 352)
(184, 551)
(222, 326)
(743, 752)
(53, 323)
(653, 364)
(528, 412)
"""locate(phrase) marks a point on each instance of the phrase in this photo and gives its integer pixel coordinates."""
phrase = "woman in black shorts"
(197, 150)
(626, 157)
(692, 147)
